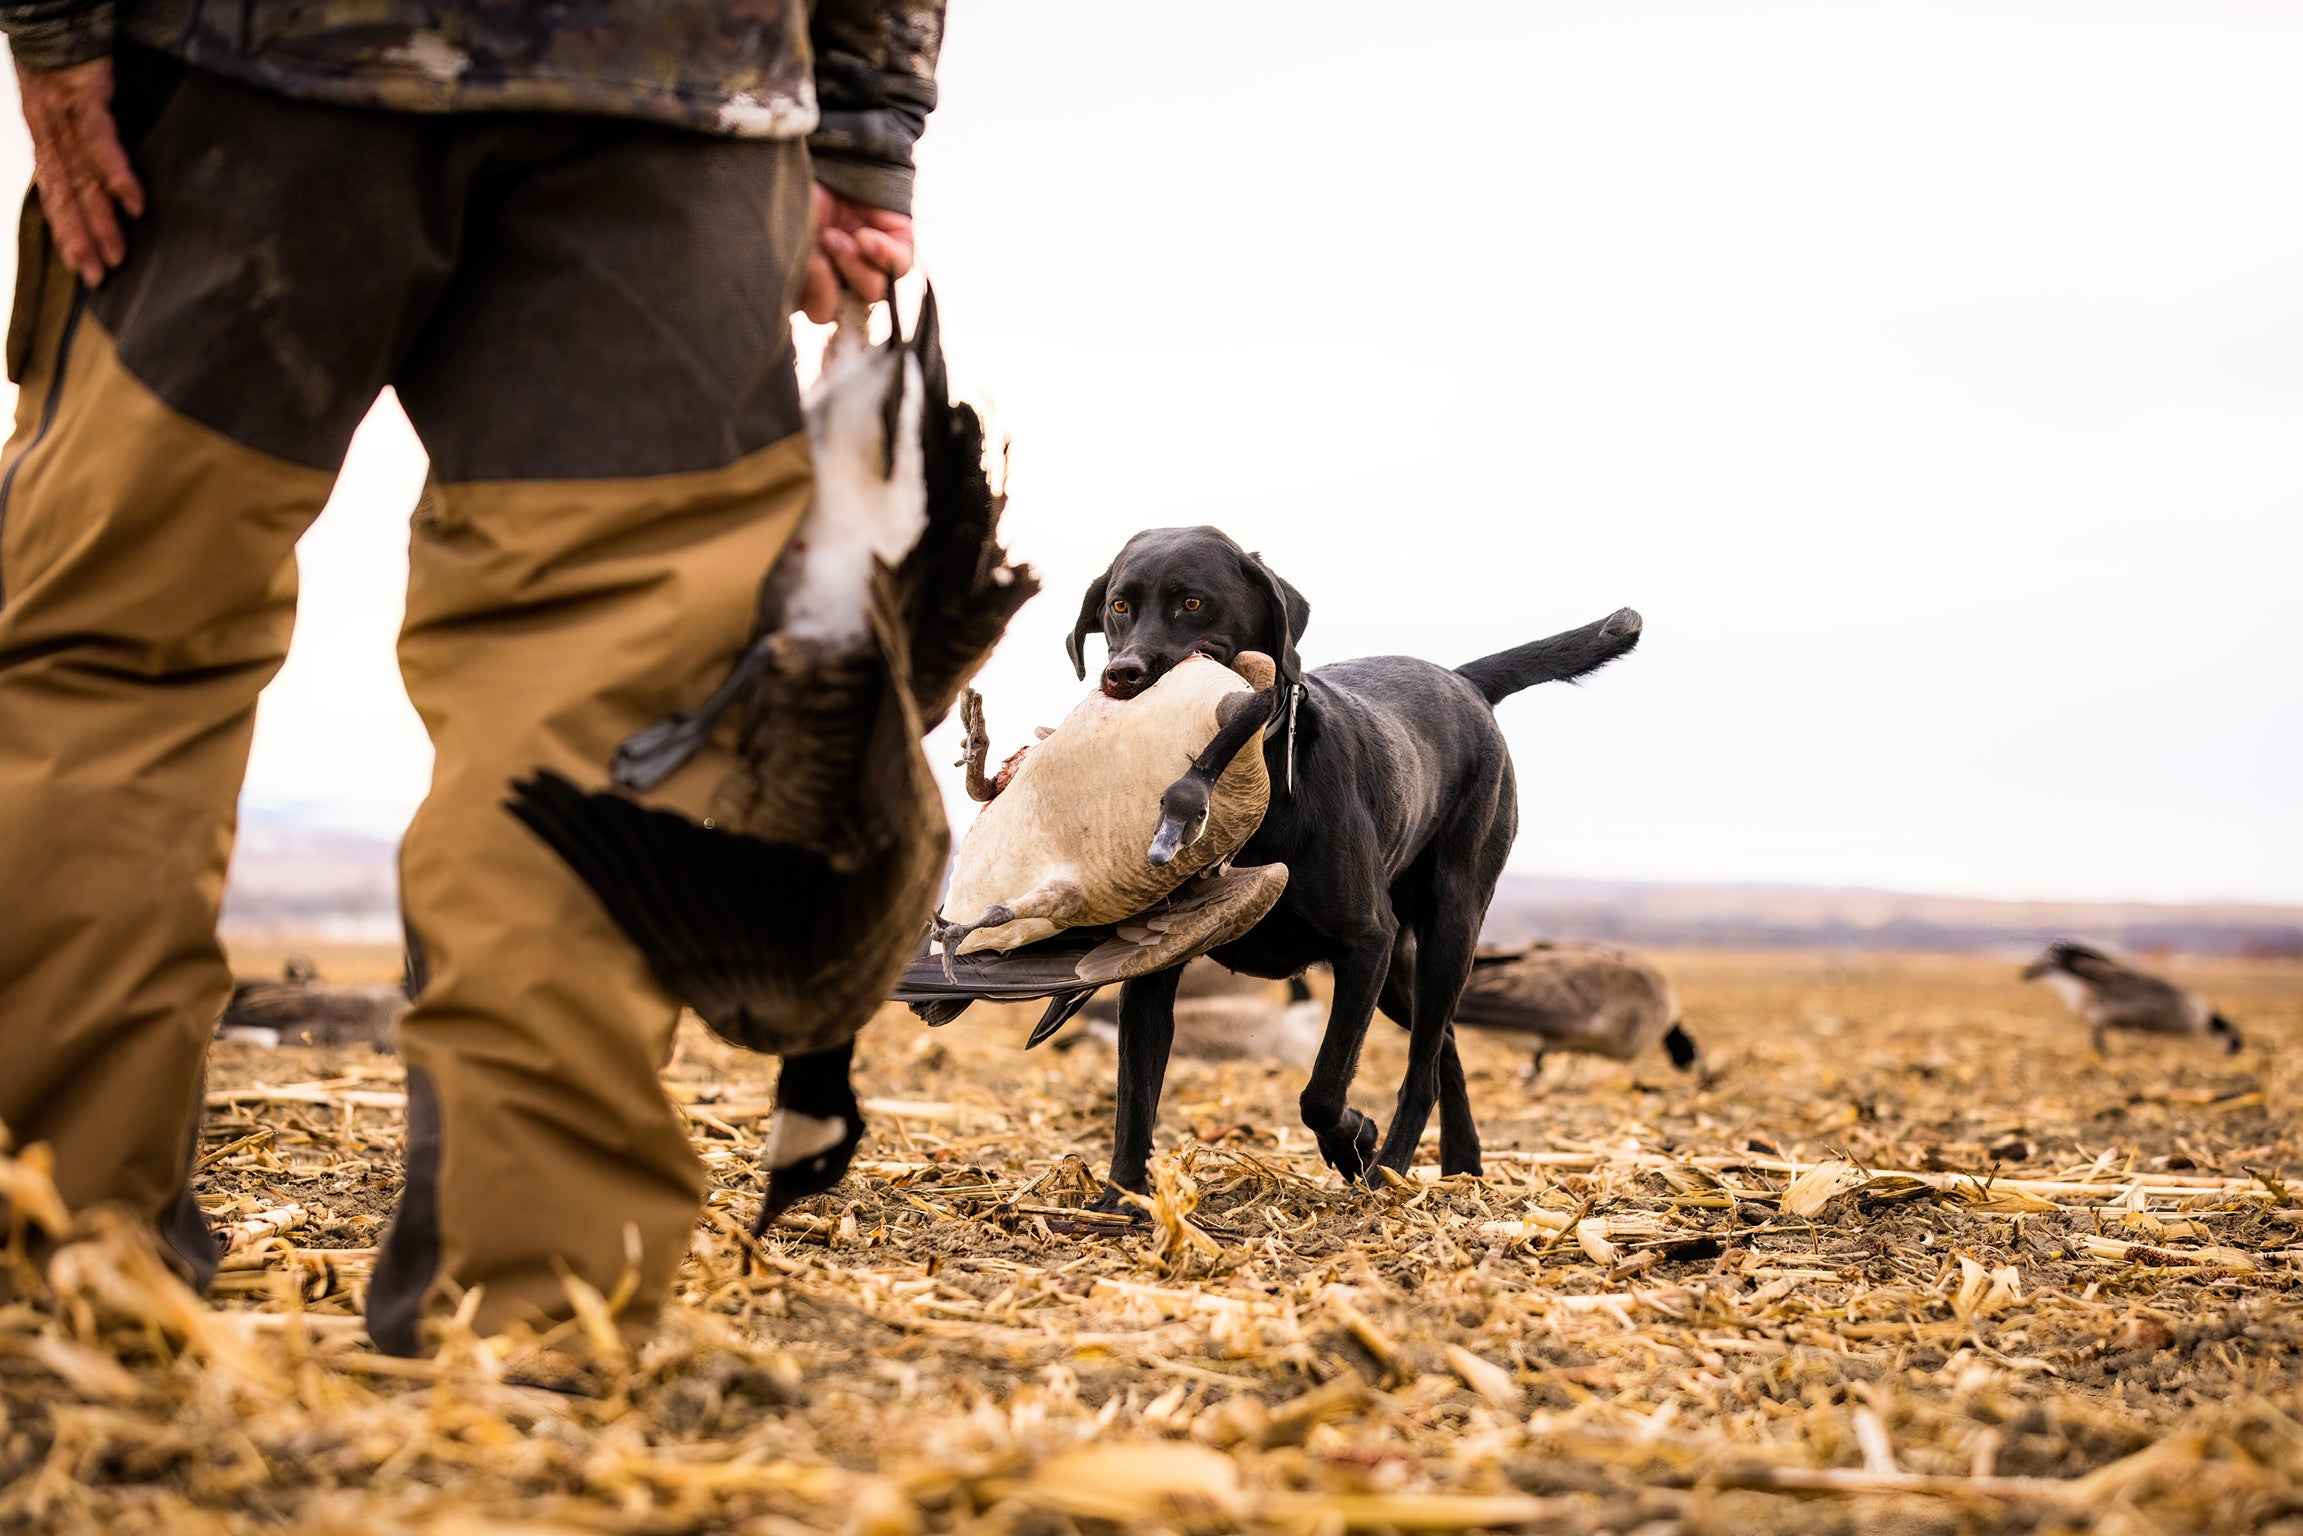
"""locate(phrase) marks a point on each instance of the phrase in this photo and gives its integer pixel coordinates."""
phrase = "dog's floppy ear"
(1090, 621)
(1290, 612)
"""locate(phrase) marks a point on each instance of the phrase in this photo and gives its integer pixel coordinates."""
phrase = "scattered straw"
(1911, 1258)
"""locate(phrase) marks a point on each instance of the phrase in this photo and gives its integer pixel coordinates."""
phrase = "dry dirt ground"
(1909, 1258)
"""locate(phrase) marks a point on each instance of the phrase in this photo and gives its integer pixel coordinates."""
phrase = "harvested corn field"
(1907, 1257)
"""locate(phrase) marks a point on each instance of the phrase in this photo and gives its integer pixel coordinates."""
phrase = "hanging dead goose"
(2109, 995)
(1588, 999)
(783, 921)
(299, 1009)
(1072, 875)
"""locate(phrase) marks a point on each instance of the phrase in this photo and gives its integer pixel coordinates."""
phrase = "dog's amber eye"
(1119, 605)
(1191, 605)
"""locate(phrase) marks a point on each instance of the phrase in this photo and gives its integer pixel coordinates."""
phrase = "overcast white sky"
(1930, 376)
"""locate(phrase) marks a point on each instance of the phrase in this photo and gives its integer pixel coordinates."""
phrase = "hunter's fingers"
(820, 291)
(68, 226)
(864, 280)
(113, 172)
(80, 169)
(888, 250)
(100, 218)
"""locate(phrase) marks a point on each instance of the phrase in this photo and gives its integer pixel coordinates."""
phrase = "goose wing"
(1203, 914)
(2131, 998)
(960, 584)
(772, 945)
(1526, 993)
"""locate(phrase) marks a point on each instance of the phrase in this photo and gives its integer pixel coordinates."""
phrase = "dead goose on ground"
(1221, 1015)
(1588, 999)
(784, 919)
(300, 1009)
(2110, 995)
(1065, 881)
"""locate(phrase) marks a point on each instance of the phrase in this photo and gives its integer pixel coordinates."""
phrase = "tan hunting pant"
(585, 320)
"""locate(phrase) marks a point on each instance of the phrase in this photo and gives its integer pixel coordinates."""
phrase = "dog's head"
(1180, 592)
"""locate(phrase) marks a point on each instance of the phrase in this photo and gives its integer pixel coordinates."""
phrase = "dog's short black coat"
(1394, 806)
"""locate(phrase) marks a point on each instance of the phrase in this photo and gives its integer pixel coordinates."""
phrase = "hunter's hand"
(78, 163)
(854, 245)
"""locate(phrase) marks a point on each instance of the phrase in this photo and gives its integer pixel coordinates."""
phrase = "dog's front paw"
(1350, 1147)
(1114, 1201)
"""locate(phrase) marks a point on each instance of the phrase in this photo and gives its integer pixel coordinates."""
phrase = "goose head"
(2059, 956)
(808, 1151)
(1183, 812)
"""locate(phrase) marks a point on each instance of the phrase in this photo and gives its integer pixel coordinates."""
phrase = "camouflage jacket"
(856, 78)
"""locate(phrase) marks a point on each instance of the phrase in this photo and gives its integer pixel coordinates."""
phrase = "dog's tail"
(1557, 659)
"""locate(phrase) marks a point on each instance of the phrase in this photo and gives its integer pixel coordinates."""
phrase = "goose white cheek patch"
(794, 1137)
(2071, 990)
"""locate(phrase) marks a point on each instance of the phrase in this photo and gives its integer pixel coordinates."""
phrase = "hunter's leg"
(177, 430)
(617, 458)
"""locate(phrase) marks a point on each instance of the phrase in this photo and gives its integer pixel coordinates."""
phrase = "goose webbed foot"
(648, 757)
(978, 748)
(949, 936)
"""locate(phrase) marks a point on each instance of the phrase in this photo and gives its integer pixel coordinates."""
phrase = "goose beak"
(1167, 842)
(892, 405)
(1183, 814)
(806, 1155)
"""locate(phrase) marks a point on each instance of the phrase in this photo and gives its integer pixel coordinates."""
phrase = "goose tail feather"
(719, 916)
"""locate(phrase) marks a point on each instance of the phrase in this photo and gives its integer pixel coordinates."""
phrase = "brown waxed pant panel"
(135, 634)
(547, 621)
(579, 568)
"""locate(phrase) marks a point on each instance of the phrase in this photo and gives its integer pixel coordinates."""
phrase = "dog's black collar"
(1287, 732)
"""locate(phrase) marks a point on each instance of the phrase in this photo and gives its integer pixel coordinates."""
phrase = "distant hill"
(1815, 917)
(291, 877)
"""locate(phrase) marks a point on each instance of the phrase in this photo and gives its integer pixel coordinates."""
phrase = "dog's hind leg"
(1443, 950)
(1346, 1137)
(1458, 1132)
(1147, 1031)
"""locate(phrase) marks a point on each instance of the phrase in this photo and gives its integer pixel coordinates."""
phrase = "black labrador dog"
(1393, 806)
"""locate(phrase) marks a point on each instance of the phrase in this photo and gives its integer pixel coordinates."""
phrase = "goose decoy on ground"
(1221, 1015)
(2110, 995)
(784, 919)
(299, 1009)
(1072, 877)
(1589, 999)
